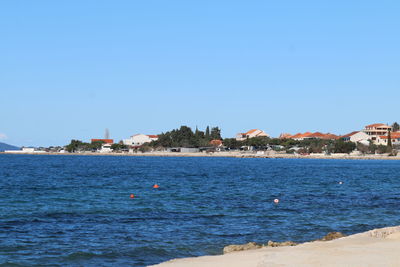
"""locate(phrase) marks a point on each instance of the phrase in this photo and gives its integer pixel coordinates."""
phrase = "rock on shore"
(254, 245)
(281, 244)
(331, 236)
(248, 246)
(374, 248)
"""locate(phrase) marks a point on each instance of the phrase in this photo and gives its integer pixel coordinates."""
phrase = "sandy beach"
(379, 247)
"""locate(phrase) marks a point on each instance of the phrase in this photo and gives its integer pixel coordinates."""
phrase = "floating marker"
(340, 182)
(156, 186)
(276, 201)
(132, 196)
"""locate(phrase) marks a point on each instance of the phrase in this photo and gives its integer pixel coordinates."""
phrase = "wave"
(85, 255)
(11, 264)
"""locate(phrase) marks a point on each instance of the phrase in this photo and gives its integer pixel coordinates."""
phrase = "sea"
(71, 210)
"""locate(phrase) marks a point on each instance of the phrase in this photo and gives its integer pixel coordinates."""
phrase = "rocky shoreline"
(225, 155)
(253, 245)
(378, 247)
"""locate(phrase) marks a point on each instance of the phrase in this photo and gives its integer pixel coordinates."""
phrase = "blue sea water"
(77, 210)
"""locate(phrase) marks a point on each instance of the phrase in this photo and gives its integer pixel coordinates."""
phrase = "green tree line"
(185, 137)
(77, 145)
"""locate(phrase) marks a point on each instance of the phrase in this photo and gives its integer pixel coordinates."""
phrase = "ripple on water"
(61, 211)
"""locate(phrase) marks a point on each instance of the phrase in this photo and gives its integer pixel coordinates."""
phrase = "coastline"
(221, 155)
(378, 247)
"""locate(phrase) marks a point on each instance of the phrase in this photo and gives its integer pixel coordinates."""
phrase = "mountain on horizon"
(4, 146)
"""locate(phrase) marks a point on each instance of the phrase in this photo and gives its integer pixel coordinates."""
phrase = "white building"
(383, 139)
(27, 150)
(251, 134)
(357, 136)
(376, 130)
(106, 148)
(139, 139)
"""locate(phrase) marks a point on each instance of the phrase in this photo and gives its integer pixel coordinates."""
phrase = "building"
(106, 141)
(106, 148)
(27, 150)
(383, 139)
(216, 143)
(376, 130)
(316, 135)
(299, 136)
(330, 136)
(285, 136)
(251, 134)
(183, 149)
(356, 136)
(139, 139)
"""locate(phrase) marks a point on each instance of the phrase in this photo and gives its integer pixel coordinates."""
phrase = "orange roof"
(216, 142)
(314, 135)
(152, 136)
(285, 135)
(251, 131)
(349, 134)
(394, 135)
(306, 134)
(330, 136)
(317, 135)
(298, 135)
(376, 125)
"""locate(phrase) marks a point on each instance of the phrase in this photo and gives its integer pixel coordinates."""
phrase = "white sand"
(380, 247)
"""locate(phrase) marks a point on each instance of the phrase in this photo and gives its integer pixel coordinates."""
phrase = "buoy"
(132, 196)
(340, 182)
(156, 186)
(276, 201)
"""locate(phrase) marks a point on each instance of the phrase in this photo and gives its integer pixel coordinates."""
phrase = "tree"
(362, 148)
(184, 137)
(215, 133)
(258, 142)
(145, 148)
(118, 147)
(395, 127)
(389, 144)
(207, 132)
(77, 145)
(372, 147)
(95, 145)
(380, 149)
(73, 146)
(232, 143)
(341, 146)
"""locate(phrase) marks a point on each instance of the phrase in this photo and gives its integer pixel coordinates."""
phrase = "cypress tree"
(395, 127)
(208, 132)
(389, 144)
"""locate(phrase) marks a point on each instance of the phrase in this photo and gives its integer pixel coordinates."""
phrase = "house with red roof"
(216, 143)
(139, 139)
(310, 135)
(356, 136)
(251, 134)
(377, 129)
(384, 139)
(284, 135)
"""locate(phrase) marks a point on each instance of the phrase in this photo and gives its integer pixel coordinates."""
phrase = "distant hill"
(4, 146)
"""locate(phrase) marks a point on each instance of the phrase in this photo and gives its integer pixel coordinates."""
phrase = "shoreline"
(218, 155)
(378, 247)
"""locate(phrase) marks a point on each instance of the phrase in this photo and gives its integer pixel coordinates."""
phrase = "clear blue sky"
(70, 69)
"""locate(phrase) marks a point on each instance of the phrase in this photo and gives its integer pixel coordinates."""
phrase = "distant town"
(377, 138)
